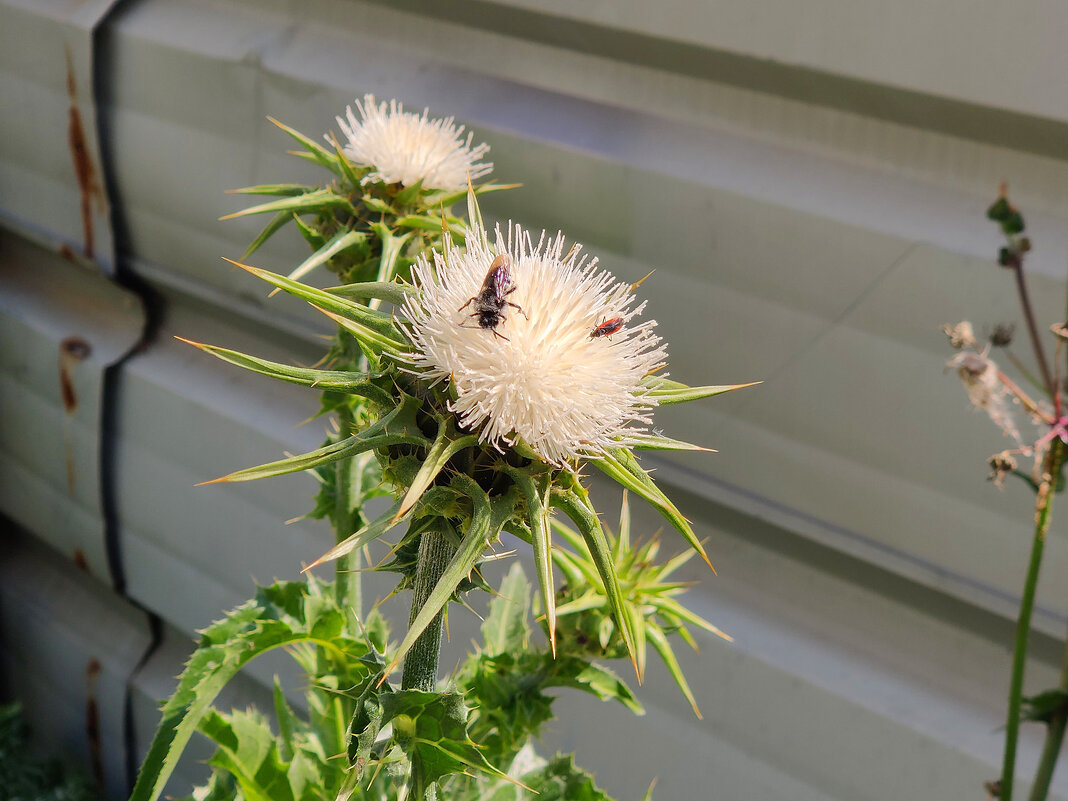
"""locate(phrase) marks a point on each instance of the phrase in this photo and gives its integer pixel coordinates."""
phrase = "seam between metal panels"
(111, 389)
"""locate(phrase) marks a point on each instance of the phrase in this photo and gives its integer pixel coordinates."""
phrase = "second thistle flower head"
(407, 148)
(554, 360)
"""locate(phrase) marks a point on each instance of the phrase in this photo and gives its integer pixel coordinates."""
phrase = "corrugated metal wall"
(809, 183)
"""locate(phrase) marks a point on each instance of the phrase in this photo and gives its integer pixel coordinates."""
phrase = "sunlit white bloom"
(539, 375)
(406, 148)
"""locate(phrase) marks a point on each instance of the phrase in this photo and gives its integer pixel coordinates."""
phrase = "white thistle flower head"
(540, 374)
(406, 148)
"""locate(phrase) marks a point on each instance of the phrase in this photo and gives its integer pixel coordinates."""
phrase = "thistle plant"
(1041, 438)
(473, 377)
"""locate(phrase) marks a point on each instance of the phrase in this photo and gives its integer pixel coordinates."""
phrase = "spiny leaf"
(654, 442)
(311, 202)
(572, 671)
(247, 750)
(398, 427)
(375, 321)
(225, 648)
(560, 780)
(269, 230)
(389, 291)
(368, 338)
(432, 730)
(675, 608)
(392, 247)
(270, 189)
(348, 169)
(538, 516)
(622, 545)
(663, 647)
(445, 446)
(474, 214)
(340, 242)
(316, 152)
(334, 380)
(667, 392)
(423, 222)
(372, 531)
(1043, 706)
(312, 235)
(446, 199)
(637, 626)
(505, 628)
(573, 505)
(620, 465)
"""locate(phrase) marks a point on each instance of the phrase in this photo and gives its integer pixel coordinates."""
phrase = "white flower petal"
(406, 148)
(545, 379)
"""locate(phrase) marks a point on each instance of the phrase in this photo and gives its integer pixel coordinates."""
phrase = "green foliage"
(489, 716)
(23, 778)
(1043, 706)
(288, 614)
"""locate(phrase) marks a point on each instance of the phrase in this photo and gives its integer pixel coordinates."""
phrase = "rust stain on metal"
(92, 722)
(84, 169)
(71, 351)
(66, 252)
(80, 561)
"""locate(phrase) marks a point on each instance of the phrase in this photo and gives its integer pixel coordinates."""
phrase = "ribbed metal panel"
(52, 183)
(62, 325)
(809, 187)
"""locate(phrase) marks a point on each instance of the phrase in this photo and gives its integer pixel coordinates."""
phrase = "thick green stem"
(348, 517)
(1043, 508)
(1054, 739)
(421, 664)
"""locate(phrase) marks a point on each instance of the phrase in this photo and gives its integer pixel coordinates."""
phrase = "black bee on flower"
(493, 297)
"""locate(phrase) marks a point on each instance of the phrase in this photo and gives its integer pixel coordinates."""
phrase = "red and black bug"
(607, 328)
(493, 297)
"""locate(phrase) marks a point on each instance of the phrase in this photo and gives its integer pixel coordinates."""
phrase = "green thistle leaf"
(560, 780)
(663, 648)
(536, 496)
(312, 202)
(447, 444)
(575, 507)
(653, 442)
(316, 152)
(389, 291)
(351, 383)
(369, 533)
(367, 325)
(505, 628)
(392, 247)
(432, 730)
(398, 427)
(283, 614)
(270, 189)
(341, 242)
(594, 679)
(668, 392)
(269, 230)
(620, 465)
